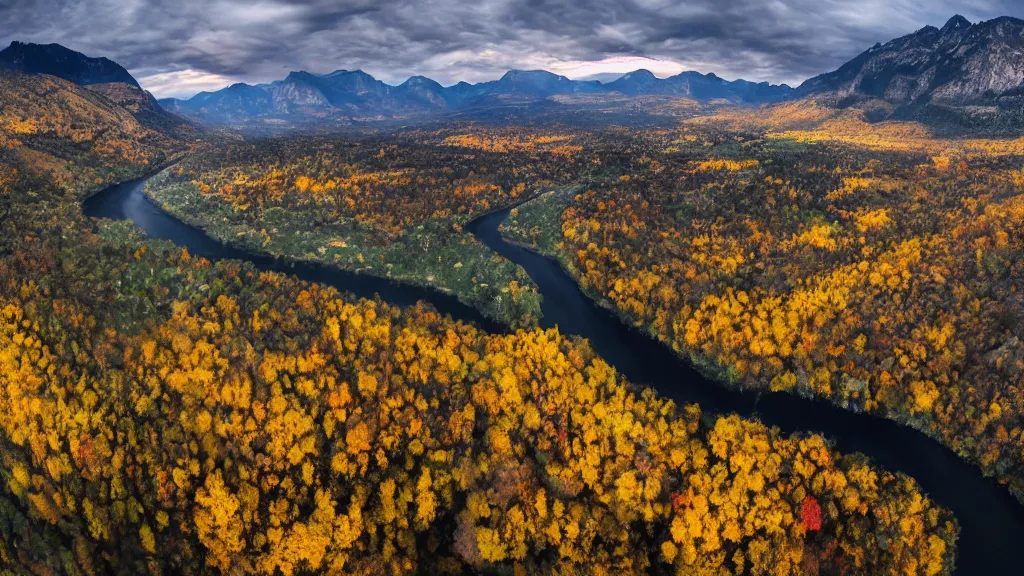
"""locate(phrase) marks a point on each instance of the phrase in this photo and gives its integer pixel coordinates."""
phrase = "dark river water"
(991, 520)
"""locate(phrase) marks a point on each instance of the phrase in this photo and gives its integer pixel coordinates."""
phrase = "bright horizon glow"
(184, 83)
(617, 65)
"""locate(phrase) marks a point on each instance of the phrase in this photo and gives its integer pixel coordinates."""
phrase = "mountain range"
(355, 93)
(962, 71)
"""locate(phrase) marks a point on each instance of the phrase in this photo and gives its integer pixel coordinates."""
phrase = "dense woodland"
(802, 248)
(883, 277)
(160, 414)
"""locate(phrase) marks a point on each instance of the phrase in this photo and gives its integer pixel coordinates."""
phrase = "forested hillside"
(78, 136)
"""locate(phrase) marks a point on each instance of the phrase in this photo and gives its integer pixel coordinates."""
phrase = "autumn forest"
(168, 411)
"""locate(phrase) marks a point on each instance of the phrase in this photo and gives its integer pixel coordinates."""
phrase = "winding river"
(991, 520)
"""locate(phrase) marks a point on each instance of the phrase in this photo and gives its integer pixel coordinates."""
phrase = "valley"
(148, 366)
(990, 522)
(537, 324)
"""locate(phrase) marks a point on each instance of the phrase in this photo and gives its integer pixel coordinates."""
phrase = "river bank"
(946, 477)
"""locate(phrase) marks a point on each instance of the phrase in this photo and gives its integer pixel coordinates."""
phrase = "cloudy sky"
(179, 47)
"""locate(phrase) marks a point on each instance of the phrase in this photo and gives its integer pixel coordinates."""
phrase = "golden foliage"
(878, 280)
(341, 436)
(72, 135)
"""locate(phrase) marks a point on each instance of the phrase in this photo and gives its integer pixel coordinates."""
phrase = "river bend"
(991, 519)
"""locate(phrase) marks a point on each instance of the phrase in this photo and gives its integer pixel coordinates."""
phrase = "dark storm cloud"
(180, 46)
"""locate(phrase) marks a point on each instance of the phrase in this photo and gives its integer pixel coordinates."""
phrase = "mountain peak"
(56, 60)
(352, 73)
(419, 80)
(298, 76)
(641, 74)
(535, 74)
(956, 23)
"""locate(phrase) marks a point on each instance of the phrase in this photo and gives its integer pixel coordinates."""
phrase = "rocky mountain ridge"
(960, 64)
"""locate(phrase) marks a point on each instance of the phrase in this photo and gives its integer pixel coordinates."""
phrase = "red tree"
(810, 512)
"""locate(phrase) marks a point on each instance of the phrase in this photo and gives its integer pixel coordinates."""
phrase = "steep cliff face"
(959, 64)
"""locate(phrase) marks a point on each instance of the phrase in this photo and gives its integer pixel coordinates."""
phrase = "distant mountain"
(302, 89)
(56, 60)
(356, 94)
(342, 93)
(700, 87)
(236, 103)
(959, 64)
(422, 91)
(637, 83)
(604, 77)
(538, 83)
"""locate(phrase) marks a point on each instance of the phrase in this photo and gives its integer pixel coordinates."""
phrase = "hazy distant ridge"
(357, 93)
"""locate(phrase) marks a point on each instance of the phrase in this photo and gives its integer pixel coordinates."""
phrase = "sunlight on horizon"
(184, 83)
(618, 65)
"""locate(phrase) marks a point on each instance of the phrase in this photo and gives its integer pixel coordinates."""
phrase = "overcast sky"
(179, 47)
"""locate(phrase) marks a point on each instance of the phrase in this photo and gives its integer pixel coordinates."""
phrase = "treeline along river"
(991, 519)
